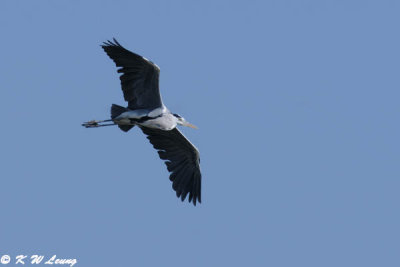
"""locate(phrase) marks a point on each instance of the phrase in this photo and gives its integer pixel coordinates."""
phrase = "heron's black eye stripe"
(176, 115)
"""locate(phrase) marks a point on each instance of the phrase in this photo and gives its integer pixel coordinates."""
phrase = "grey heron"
(140, 86)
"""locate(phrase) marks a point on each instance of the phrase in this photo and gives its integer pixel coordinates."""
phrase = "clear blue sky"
(297, 104)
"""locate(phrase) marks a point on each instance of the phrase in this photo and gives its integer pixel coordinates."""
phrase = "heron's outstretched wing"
(139, 79)
(182, 160)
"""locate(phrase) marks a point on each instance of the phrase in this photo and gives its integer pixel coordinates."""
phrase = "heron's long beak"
(190, 125)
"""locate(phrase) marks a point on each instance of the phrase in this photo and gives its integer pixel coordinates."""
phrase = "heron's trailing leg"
(94, 123)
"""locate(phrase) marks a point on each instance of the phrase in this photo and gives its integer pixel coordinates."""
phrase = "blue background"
(297, 104)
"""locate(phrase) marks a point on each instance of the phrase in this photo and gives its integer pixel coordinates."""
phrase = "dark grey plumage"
(182, 160)
(139, 79)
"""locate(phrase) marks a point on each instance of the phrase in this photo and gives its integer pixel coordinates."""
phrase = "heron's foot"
(91, 124)
(95, 124)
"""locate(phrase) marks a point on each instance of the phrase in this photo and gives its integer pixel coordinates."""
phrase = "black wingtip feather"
(109, 43)
(116, 42)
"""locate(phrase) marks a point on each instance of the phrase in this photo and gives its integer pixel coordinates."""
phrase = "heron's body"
(159, 118)
(139, 82)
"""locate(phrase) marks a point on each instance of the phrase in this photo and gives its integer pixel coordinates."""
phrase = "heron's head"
(180, 120)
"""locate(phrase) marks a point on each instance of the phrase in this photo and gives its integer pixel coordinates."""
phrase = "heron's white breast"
(165, 122)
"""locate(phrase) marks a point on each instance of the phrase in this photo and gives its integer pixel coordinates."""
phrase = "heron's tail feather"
(115, 112)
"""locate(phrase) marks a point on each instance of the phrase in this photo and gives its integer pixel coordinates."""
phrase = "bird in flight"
(140, 86)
